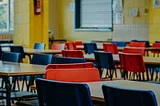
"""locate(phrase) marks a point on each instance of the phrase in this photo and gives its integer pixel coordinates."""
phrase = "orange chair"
(73, 75)
(60, 46)
(71, 46)
(110, 48)
(132, 63)
(137, 44)
(78, 43)
(156, 45)
(134, 50)
(72, 53)
(70, 66)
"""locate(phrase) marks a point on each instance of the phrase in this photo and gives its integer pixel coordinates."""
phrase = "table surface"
(18, 69)
(147, 60)
(96, 87)
(32, 51)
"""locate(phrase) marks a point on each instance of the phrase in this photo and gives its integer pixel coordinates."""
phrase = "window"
(6, 16)
(93, 15)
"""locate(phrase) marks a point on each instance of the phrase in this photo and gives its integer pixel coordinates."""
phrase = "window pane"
(4, 16)
(11, 15)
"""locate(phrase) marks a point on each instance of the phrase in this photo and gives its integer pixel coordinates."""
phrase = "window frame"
(9, 31)
(77, 21)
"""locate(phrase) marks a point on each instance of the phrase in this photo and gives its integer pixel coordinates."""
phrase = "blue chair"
(18, 49)
(67, 60)
(11, 57)
(104, 60)
(115, 96)
(1, 52)
(119, 43)
(39, 46)
(90, 48)
(54, 93)
(42, 59)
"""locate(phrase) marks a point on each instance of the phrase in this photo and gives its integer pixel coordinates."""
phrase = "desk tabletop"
(147, 60)
(32, 51)
(96, 87)
(18, 69)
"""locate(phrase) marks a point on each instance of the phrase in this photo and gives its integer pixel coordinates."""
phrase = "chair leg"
(116, 73)
(110, 73)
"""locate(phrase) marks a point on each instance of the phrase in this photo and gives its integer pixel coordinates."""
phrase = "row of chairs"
(51, 90)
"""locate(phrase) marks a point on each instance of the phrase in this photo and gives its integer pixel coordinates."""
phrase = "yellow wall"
(154, 22)
(39, 24)
(30, 28)
(21, 34)
(66, 21)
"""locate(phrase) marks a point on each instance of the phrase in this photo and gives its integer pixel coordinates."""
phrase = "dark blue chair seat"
(115, 96)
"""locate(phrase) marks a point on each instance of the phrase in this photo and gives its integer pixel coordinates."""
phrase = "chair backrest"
(78, 43)
(156, 45)
(72, 65)
(115, 96)
(67, 60)
(147, 43)
(90, 48)
(104, 60)
(1, 52)
(71, 46)
(108, 47)
(54, 93)
(157, 41)
(18, 49)
(11, 57)
(39, 46)
(72, 53)
(119, 43)
(73, 75)
(134, 50)
(42, 59)
(137, 44)
(132, 62)
(58, 46)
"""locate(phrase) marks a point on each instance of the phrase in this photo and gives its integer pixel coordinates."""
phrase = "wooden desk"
(96, 88)
(8, 69)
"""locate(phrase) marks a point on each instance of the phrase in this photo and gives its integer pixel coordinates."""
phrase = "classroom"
(79, 53)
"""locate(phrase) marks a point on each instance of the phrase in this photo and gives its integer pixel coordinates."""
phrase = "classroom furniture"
(119, 43)
(90, 48)
(137, 44)
(67, 60)
(134, 50)
(108, 47)
(146, 42)
(39, 46)
(71, 45)
(156, 45)
(134, 64)
(117, 96)
(8, 69)
(18, 49)
(62, 93)
(104, 60)
(71, 65)
(11, 57)
(72, 53)
(78, 43)
(58, 46)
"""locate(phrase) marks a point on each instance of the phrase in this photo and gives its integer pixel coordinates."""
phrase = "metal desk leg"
(8, 90)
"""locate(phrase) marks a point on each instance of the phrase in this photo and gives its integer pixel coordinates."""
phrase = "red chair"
(78, 43)
(134, 50)
(60, 46)
(70, 66)
(72, 53)
(156, 45)
(71, 46)
(132, 63)
(73, 75)
(137, 44)
(110, 48)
